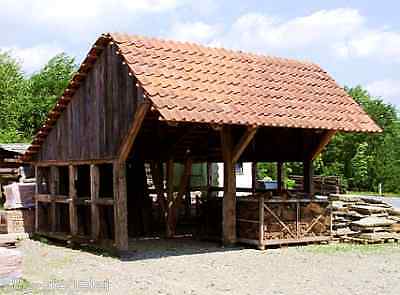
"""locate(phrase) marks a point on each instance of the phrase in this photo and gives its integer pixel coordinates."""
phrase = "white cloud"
(340, 33)
(322, 27)
(383, 45)
(33, 58)
(193, 32)
(386, 88)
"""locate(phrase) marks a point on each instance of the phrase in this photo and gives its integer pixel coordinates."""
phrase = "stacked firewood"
(10, 266)
(324, 185)
(364, 219)
(282, 221)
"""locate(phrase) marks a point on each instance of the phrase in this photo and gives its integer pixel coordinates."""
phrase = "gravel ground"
(188, 267)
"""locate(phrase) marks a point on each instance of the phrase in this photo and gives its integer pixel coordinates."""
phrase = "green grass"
(391, 195)
(354, 248)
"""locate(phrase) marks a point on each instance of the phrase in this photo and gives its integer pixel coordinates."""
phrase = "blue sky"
(357, 42)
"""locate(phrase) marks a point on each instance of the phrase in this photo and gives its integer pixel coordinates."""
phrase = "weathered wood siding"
(98, 116)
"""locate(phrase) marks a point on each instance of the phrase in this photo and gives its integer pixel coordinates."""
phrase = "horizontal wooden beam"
(74, 162)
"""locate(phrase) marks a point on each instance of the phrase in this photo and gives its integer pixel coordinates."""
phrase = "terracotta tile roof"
(190, 82)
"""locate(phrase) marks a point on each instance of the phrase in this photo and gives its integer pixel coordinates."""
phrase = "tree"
(25, 101)
(44, 89)
(12, 88)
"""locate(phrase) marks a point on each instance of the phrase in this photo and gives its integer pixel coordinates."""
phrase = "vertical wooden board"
(116, 99)
(108, 104)
(69, 134)
(103, 101)
(124, 105)
(76, 124)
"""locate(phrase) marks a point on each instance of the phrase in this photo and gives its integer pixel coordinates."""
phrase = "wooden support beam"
(133, 131)
(253, 177)
(177, 200)
(229, 200)
(120, 206)
(261, 222)
(73, 215)
(308, 171)
(279, 172)
(157, 176)
(36, 201)
(243, 143)
(94, 197)
(326, 138)
(54, 189)
(170, 197)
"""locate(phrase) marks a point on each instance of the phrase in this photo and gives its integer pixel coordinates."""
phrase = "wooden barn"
(105, 156)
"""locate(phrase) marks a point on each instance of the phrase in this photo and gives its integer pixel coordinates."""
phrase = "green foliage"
(25, 101)
(364, 160)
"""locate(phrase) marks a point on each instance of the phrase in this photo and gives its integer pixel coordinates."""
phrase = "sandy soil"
(188, 267)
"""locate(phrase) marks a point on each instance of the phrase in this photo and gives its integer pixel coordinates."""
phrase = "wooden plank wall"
(98, 116)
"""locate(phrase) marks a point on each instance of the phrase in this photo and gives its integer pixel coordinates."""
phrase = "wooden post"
(170, 197)
(54, 181)
(261, 245)
(209, 179)
(36, 201)
(253, 177)
(308, 170)
(279, 172)
(94, 196)
(229, 200)
(120, 206)
(73, 216)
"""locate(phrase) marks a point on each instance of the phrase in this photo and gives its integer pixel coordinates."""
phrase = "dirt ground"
(188, 267)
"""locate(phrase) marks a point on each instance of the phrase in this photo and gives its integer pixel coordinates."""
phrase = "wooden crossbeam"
(128, 141)
(280, 221)
(243, 143)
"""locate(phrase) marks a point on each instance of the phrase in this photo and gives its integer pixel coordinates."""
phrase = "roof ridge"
(115, 35)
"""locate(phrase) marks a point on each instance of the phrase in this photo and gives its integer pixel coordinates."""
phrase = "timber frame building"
(137, 100)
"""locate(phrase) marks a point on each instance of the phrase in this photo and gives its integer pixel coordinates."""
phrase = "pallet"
(285, 242)
(369, 241)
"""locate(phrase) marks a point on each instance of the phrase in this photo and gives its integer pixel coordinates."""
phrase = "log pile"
(10, 266)
(364, 219)
(323, 185)
(283, 219)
